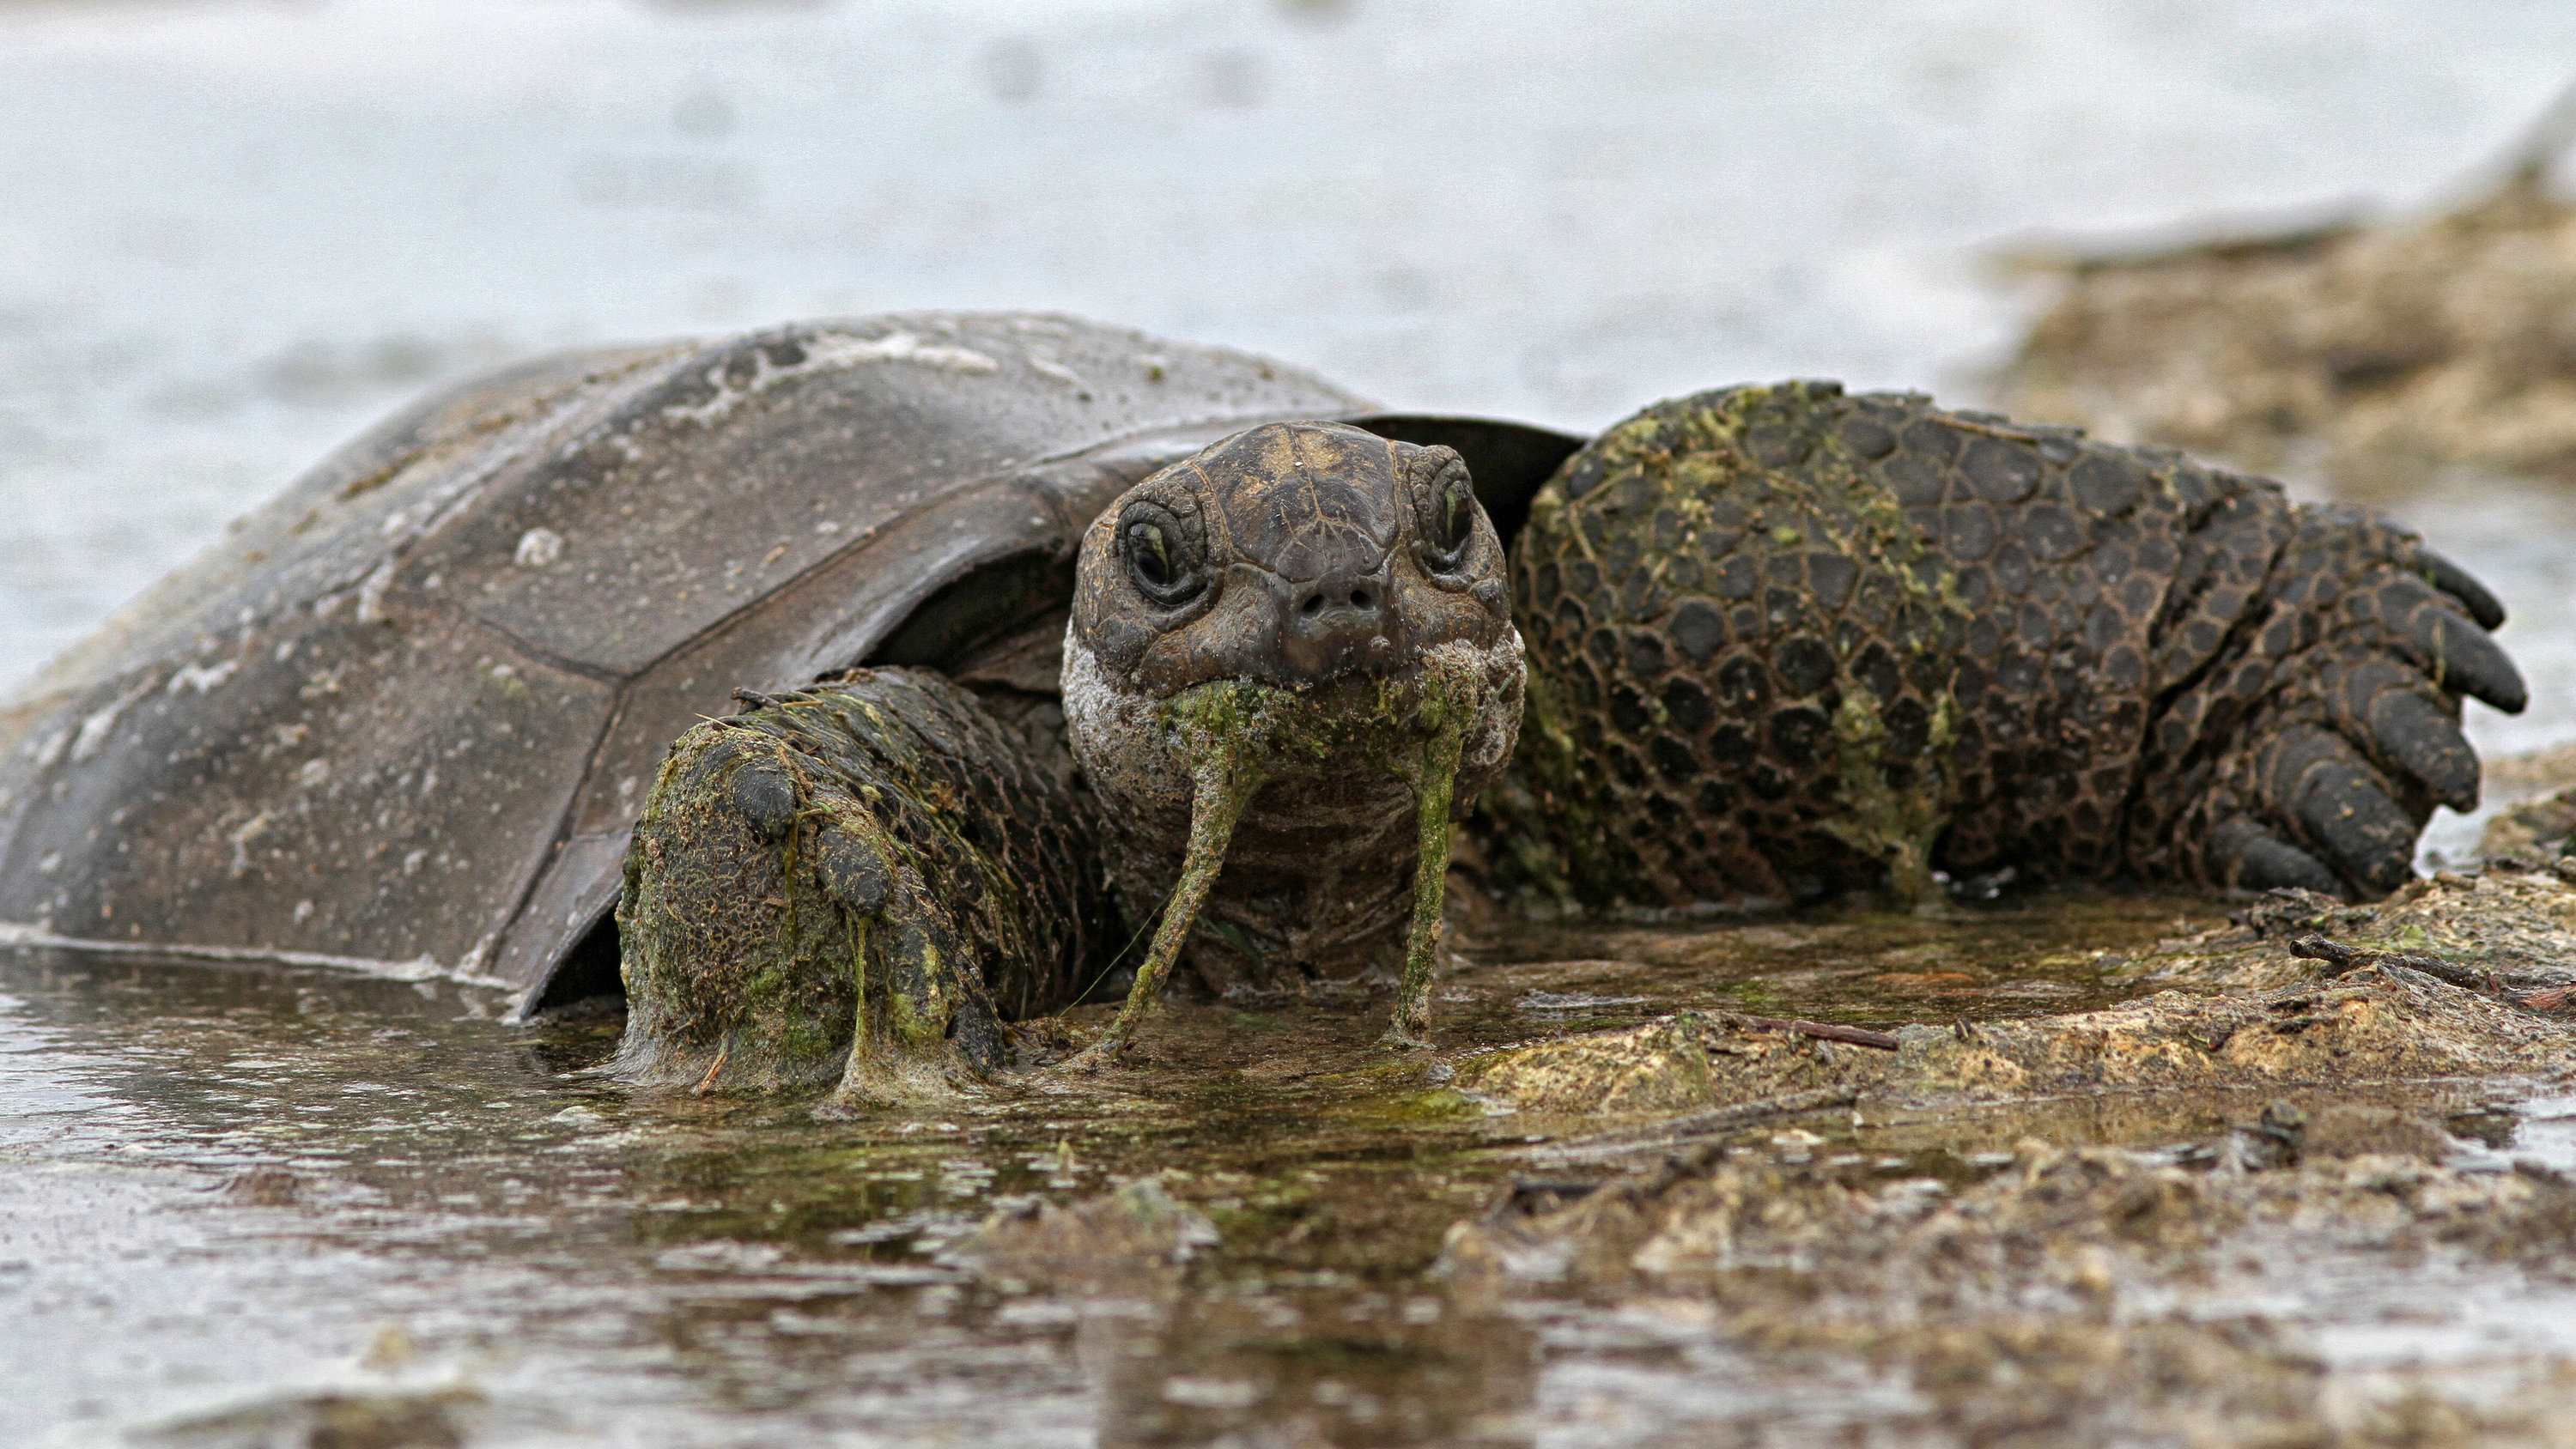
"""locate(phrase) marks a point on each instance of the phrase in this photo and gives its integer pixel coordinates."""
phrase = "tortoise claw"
(2338, 802)
(2421, 739)
(2250, 857)
(766, 798)
(2458, 655)
(2457, 582)
(851, 872)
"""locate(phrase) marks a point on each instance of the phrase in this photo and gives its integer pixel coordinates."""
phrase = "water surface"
(236, 1201)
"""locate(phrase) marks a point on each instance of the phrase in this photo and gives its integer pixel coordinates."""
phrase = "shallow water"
(237, 1200)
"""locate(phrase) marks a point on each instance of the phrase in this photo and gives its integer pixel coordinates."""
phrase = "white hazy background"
(235, 233)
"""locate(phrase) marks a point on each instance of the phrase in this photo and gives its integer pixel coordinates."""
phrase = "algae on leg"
(1896, 824)
(853, 886)
(855, 1087)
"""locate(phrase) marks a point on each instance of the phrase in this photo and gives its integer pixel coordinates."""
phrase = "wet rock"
(2288, 911)
(2523, 776)
(2535, 828)
(2492, 960)
(2366, 1131)
(1684, 1063)
(431, 1419)
(1816, 1207)
(2079, 1296)
(265, 1187)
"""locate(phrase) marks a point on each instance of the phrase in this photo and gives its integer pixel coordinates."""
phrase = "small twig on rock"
(707, 1083)
(2550, 998)
(2340, 958)
(1820, 1030)
(755, 699)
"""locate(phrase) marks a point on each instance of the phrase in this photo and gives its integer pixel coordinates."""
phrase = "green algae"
(1898, 823)
(850, 887)
(714, 991)
(1225, 774)
(1546, 841)
(1433, 784)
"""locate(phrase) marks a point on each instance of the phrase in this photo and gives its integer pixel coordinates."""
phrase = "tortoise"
(1050, 636)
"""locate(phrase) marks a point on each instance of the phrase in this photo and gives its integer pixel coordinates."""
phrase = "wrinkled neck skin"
(1318, 880)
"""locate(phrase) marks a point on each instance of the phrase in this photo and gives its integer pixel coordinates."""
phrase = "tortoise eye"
(1160, 560)
(1444, 507)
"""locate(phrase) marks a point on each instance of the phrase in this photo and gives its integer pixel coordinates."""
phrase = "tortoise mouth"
(1362, 680)
(1368, 683)
(1329, 726)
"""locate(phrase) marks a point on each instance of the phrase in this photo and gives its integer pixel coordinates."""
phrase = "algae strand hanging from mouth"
(1434, 784)
(1224, 778)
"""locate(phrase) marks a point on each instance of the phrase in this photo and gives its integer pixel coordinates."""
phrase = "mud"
(2086, 1293)
(2076, 1296)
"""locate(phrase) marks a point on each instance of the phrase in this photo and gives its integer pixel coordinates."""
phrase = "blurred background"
(235, 233)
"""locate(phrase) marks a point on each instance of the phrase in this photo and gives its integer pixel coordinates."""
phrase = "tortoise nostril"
(1323, 620)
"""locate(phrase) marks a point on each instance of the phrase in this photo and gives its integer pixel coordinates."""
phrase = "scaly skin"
(1330, 654)
(1784, 640)
(888, 825)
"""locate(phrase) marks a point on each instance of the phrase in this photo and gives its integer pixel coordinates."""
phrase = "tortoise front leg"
(2312, 740)
(852, 885)
(1785, 641)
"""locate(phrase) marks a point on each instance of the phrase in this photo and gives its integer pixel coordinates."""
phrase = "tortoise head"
(1290, 554)
(1301, 630)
